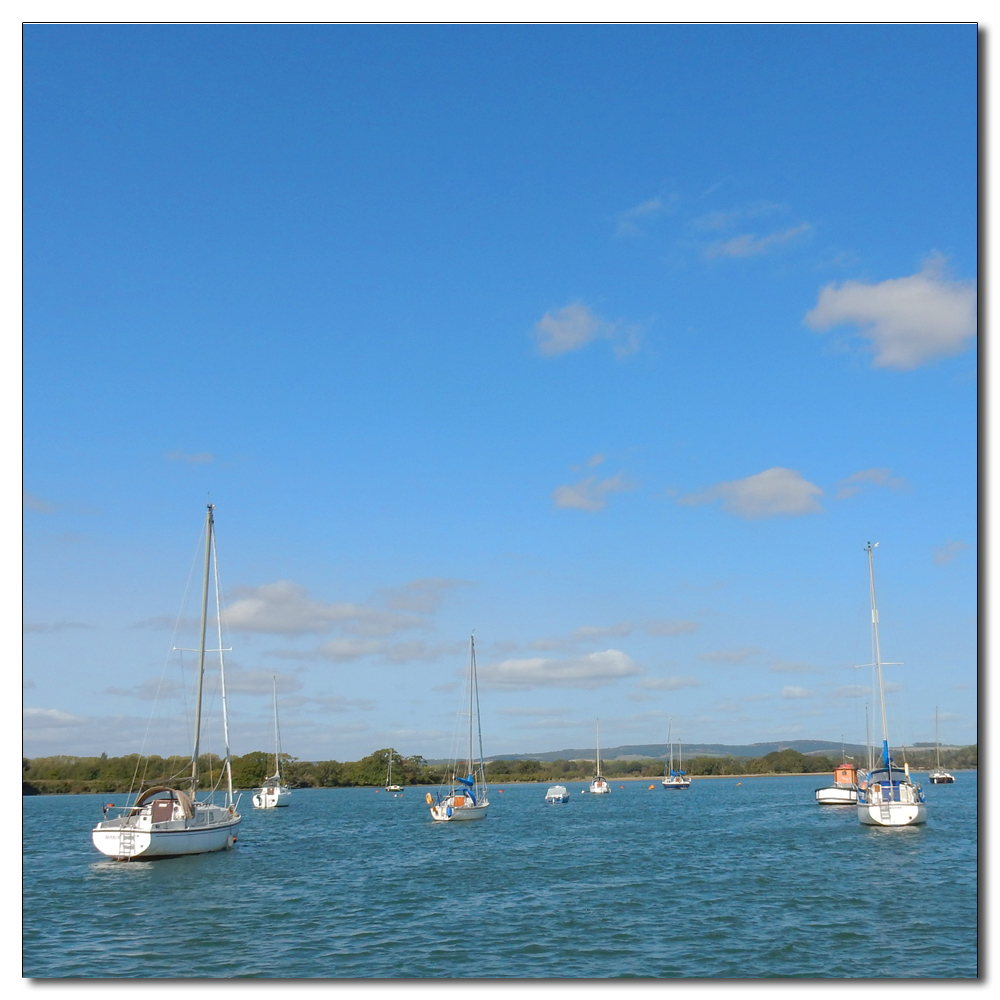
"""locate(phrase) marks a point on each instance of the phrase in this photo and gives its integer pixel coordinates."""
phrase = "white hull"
(837, 795)
(675, 783)
(271, 797)
(125, 841)
(600, 787)
(892, 813)
(940, 778)
(446, 813)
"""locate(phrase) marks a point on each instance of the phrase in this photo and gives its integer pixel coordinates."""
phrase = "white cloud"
(785, 667)
(51, 718)
(853, 691)
(948, 551)
(284, 608)
(346, 650)
(199, 459)
(574, 326)
(628, 222)
(590, 633)
(668, 683)
(727, 219)
(149, 690)
(740, 655)
(795, 692)
(590, 493)
(590, 671)
(909, 321)
(750, 245)
(544, 712)
(771, 493)
(876, 477)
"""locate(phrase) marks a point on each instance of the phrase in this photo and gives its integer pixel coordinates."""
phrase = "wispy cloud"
(869, 477)
(51, 718)
(422, 596)
(771, 493)
(751, 245)
(948, 551)
(284, 608)
(31, 502)
(630, 222)
(572, 327)
(349, 650)
(590, 671)
(727, 219)
(786, 667)
(149, 690)
(740, 655)
(48, 627)
(590, 493)
(910, 321)
(668, 683)
(796, 692)
(196, 459)
(590, 633)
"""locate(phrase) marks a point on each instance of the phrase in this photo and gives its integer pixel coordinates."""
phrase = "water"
(725, 880)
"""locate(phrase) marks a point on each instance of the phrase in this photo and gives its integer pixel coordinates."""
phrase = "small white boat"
(939, 776)
(844, 790)
(274, 793)
(465, 798)
(164, 821)
(599, 786)
(888, 796)
(557, 793)
(389, 786)
(675, 779)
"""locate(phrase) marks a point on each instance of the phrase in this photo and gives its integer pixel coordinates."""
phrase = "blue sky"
(614, 343)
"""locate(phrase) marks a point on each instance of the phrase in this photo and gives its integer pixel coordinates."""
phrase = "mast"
(209, 528)
(670, 742)
(937, 739)
(878, 656)
(277, 744)
(598, 740)
(472, 697)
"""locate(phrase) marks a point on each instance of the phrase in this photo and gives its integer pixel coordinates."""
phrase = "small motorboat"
(557, 793)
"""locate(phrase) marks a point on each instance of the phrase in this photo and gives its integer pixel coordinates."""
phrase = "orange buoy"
(739, 782)
(651, 787)
(430, 799)
(500, 790)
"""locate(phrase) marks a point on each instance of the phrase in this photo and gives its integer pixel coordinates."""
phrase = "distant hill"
(659, 751)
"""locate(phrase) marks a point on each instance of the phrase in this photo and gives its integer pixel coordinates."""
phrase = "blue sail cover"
(469, 783)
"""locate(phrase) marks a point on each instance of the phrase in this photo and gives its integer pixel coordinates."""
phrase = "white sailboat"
(465, 798)
(889, 796)
(939, 776)
(389, 785)
(166, 821)
(675, 779)
(273, 793)
(599, 785)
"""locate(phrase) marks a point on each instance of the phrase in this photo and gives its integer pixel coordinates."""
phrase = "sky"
(614, 343)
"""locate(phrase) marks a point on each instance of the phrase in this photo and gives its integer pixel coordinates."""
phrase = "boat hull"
(892, 813)
(670, 785)
(444, 813)
(271, 798)
(129, 844)
(837, 795)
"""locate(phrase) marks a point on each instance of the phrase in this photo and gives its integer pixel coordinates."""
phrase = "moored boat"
(844, 790)
(939, 776)
(557, 793)
(465, 798)
(166, 821)
(675, 779)
(273, 793)
(888, 796)
(599, 785)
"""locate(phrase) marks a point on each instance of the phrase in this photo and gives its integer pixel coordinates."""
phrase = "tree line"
(66, 774)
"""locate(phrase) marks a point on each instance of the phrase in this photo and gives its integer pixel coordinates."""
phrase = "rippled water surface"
(726, 880)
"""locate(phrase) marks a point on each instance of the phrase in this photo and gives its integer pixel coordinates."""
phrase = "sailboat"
(165, 820)
(889, 796)
(844, 790)
(274, 793)
(939, 776)
(389, 786)
(465, 798)
(671, 778)
(599, 786)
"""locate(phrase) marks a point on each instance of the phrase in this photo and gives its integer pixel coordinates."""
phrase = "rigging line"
(227, 767)
(163, 672)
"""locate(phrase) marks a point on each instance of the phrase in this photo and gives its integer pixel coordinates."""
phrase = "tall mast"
(878, 655)
(277, 745)
(937, 739)
(222, 672)
(472, 695)
(670, 741)
(598, 740)
(209, 527)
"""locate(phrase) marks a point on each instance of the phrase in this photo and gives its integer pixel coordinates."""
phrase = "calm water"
(724, 880)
